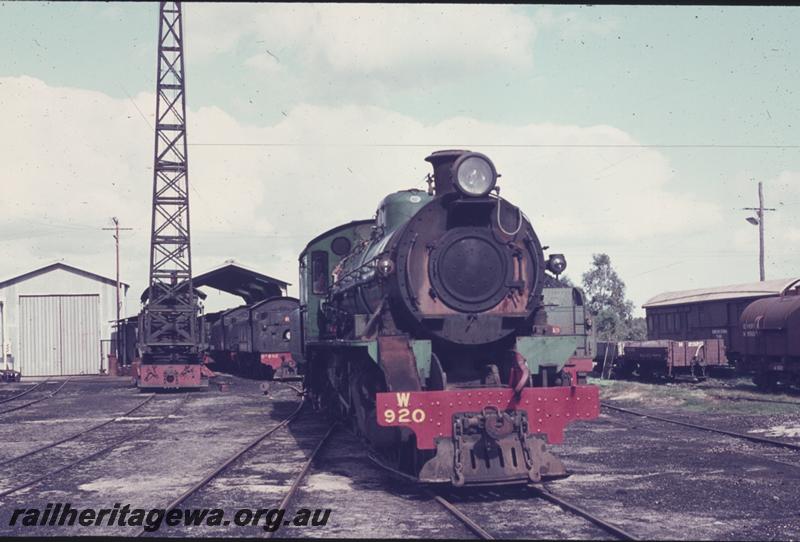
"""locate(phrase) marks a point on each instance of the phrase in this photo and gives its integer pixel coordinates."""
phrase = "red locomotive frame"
(169, 376)
(429, 414)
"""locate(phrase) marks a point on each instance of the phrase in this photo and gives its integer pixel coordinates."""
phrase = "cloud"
(401, 43)
(576, 26)
(264, 62)
(73, 158)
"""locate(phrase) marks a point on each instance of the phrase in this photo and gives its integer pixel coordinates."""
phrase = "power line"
(149, 124)
(501, 145)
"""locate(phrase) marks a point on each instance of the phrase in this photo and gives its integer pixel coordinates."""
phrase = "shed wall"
(59, 282)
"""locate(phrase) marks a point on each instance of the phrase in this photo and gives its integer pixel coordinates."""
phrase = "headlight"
(556, 264)
(474, 174)
(385, 266)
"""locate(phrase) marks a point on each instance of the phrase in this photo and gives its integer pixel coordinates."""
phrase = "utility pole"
(759, 221)
(116, 229)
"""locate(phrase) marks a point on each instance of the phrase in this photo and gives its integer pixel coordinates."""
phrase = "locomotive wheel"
(407, 457)
(360, 406)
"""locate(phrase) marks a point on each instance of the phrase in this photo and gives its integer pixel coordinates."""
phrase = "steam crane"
(169, 325)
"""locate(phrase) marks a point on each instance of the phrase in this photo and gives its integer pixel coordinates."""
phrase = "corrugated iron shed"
(55, 320)
(65, 267)
(718, 293)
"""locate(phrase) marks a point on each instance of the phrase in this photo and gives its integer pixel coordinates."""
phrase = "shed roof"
(238, 280)
(65, 267)
(719, 293)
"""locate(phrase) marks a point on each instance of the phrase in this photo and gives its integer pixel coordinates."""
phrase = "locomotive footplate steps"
(489, 436)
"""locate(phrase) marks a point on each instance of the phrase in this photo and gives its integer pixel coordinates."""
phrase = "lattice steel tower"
(169, 332)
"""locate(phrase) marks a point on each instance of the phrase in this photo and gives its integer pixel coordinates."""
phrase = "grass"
(732, 396)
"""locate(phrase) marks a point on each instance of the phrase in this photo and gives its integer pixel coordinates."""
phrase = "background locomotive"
(261, 340)
(418, 323)
(568, 313)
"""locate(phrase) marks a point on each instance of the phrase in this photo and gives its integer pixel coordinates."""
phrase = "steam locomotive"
(260, 340)
(426, 328)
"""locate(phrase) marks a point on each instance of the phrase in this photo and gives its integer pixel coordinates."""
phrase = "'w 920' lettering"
(403, 414)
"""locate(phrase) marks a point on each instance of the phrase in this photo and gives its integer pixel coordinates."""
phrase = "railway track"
(716, 391)
(537, 491)
(232, 459)
(758, 400)
(17, 396)
(78, 434)
(451, 508)
(575, 509)
(457, 513)
(97, 453)
(29, 403)
(301, 476)
(743, 436)
(541, 493)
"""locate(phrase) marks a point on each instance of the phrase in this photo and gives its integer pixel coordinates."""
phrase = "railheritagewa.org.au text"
(153, 519)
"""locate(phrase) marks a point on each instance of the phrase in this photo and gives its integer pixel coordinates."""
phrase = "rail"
(52, 394)
(228, 462)
(753, 438)
(97, 453)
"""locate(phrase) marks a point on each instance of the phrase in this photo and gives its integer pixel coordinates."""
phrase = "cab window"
(319, 272)
(303, 279)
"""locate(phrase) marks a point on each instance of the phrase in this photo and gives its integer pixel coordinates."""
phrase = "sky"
(638, 131)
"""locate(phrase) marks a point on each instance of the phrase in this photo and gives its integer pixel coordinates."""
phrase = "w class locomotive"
(426, 328)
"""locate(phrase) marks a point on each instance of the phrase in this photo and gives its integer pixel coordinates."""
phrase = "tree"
(564, 280)
(612, 313)
(635, 330)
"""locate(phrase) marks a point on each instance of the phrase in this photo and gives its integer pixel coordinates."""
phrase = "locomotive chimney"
(442, 162)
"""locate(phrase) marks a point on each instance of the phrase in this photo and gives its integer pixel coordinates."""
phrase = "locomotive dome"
(398, 208)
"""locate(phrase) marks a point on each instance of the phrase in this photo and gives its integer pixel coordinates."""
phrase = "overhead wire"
(499, 145)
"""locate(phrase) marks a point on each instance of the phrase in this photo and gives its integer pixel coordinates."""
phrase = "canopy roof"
(719, 293)
(236, 279)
